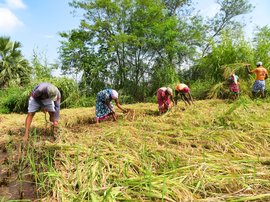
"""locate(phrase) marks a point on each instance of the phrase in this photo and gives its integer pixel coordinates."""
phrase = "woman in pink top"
(234, 86)
(164, 99)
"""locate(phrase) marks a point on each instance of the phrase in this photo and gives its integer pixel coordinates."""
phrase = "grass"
(213, 151)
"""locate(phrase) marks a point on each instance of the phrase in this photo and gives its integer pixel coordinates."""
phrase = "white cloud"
(15, 4)
(8, 21)
(48, 36)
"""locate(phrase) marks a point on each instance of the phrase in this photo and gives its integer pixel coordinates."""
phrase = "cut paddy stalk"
(213, 151)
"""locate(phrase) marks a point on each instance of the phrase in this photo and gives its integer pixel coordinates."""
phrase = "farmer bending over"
(104, 107)
(47, 97)
(184, 92)
(164, 99)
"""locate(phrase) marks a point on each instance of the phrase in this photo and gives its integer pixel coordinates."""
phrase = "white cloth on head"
(234, 78)
(259, 63)
(169, 90)
(114, 94)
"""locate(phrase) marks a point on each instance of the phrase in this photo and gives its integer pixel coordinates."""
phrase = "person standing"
(261, 75)
(164, 99)
(104, 106)
(44, 96)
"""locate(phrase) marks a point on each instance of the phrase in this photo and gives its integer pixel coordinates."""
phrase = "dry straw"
(211, 151)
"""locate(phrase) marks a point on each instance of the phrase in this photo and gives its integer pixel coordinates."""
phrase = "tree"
(121, 41)
(41, 68)
(14, 69)
(233, 48)
(229, 9)
(262, 46)
(77, 57)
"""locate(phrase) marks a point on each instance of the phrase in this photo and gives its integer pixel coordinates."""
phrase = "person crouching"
(104, 106)
(165, 99)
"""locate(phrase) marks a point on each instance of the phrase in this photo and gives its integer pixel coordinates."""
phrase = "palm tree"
(14, 69)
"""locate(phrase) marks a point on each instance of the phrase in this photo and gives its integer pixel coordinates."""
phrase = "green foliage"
(120, 43)
(14, 69)
(164, 76)
(136, 47)
(262, 46)
(229, 9)
(152, 99)
(68, 88)
(80, 101)
(200, 89)
(127, 99)
(16, 99)
(13, 100)
(229, 56)
(41, 69)
(233, 49)
(219, 90)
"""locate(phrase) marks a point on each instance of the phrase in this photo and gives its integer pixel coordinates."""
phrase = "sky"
(36, 23)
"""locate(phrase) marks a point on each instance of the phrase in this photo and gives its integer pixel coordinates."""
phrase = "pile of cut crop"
(211, 151)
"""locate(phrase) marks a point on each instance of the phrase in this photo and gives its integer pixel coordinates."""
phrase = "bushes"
(75, 100)
(13, 100)
(200, 89)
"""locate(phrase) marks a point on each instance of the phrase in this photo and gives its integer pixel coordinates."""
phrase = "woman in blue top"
(104, 107)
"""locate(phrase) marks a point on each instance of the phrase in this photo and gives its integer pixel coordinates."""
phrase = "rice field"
(211, 151)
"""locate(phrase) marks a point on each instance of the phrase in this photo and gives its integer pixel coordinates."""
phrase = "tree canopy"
(14, 69)
(136, 45)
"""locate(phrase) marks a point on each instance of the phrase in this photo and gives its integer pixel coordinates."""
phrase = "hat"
(114, 94)
(52, 92)
(169, 90)
(259, 63)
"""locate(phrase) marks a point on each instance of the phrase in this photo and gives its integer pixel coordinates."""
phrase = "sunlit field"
(211, 151)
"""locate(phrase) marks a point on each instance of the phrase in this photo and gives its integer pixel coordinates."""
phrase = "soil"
(15, 184)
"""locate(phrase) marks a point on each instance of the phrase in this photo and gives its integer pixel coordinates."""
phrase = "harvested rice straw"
(130, 115)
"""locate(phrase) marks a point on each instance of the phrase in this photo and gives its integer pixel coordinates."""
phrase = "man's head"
(258, 64)
(52, 92)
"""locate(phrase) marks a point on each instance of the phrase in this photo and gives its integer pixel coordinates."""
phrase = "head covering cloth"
(114, 94)
(169, 90)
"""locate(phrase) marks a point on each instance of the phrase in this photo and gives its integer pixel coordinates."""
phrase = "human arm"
(112, 112)
(182, 96)
(248, 68)
(191, 98)
(57, 111)
(176, 97)
(266, 74)
(119, 106)
(172, 98)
